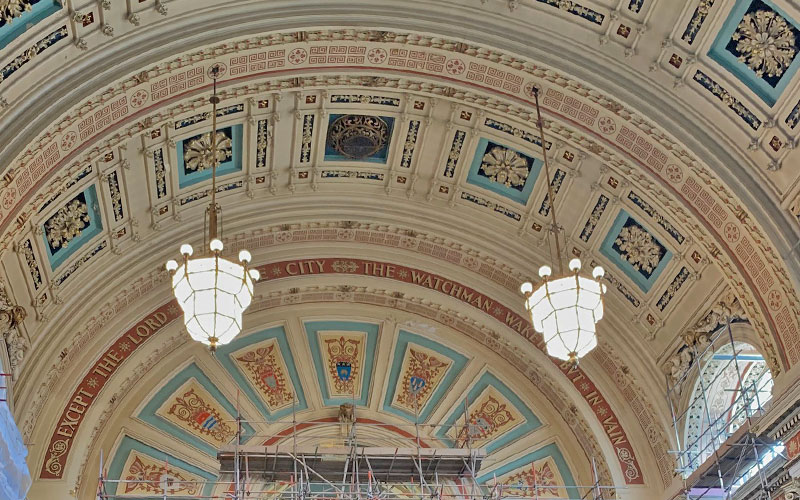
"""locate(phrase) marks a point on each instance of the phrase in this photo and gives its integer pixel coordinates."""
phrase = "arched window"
(733, 383)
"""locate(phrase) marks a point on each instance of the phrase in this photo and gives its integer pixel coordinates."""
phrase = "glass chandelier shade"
(213, 293)
(566, 310)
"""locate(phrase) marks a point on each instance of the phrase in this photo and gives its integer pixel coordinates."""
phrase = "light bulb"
(186, 249)
(598, 272)
(545, 271)
(526, 287)
(575, 265)
(171, 265)
(215, 245)
(254, 274)
(245, 256)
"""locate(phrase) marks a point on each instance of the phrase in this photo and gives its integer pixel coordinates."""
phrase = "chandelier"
(567, 307)
(212, 290)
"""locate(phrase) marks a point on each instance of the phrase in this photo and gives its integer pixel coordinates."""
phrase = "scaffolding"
(352, 470)
(723, 457)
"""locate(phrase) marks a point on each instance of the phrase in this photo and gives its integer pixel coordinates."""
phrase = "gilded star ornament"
(67, 223)
(765, 43)
(505, 166)
(638, 248)
(198, 155)
(10, 9)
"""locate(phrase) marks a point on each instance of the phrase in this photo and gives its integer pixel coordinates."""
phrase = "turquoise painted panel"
(550, 450)
(233, 162)
(39, 9)
(403, 339)
(635, 251)
(725, 50)
(129, 444)
(507, 172)
(224, 356)
(148, 413)
(312, 332)
(363, 133)
(90, 223)
(487, 379)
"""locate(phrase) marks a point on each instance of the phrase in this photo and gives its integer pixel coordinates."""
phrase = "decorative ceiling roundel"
(358, 136)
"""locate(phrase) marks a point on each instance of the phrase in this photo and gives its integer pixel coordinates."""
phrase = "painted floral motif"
(116, 196)
(484, 422)
(265, 371)
(198, 154)
(9, 9)
(765, 42)
(308, 134)
(505, 166)
(533, 481)
(423, 372)
(201, 417)
(157, 479)
(455, 153)
(33, 266)
(639, 248)
(343, 363)
(67, 223)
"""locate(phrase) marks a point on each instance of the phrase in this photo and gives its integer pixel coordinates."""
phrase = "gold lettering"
(62, 431)
(466, 297)
(444, 287)
(78, 400)
(113, 355)
(134, 339)
(76, 408)
(620, 439)
(107, 365)
(161, 317)
(390, 271)
(292, 271)
(320, 265)
(416, 278)
(428, 281)
(143, 331)
(153, 324)
(593, 398)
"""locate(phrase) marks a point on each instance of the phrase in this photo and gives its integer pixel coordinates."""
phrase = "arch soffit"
(737, 236)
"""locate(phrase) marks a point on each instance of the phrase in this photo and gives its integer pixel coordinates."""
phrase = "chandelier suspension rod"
(550, 195)
(212, 210)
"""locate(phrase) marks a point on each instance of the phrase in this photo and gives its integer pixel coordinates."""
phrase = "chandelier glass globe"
(566, 310)
(213, 293)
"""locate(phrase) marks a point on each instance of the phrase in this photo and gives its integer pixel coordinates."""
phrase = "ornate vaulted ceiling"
(382, 164)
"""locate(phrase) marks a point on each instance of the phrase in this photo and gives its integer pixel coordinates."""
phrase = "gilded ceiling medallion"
(765, 43)
(639, 248)
(67, 223)
(505, 166)
(358, 136)
(10, 9)
(198, 153)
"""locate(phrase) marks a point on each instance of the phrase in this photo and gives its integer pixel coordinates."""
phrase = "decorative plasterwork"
(422, 371)
(519, 358)
(263, 366)
(155, 471)
(650, 155)
(95, 379)
(758, 44)
(344, 355)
